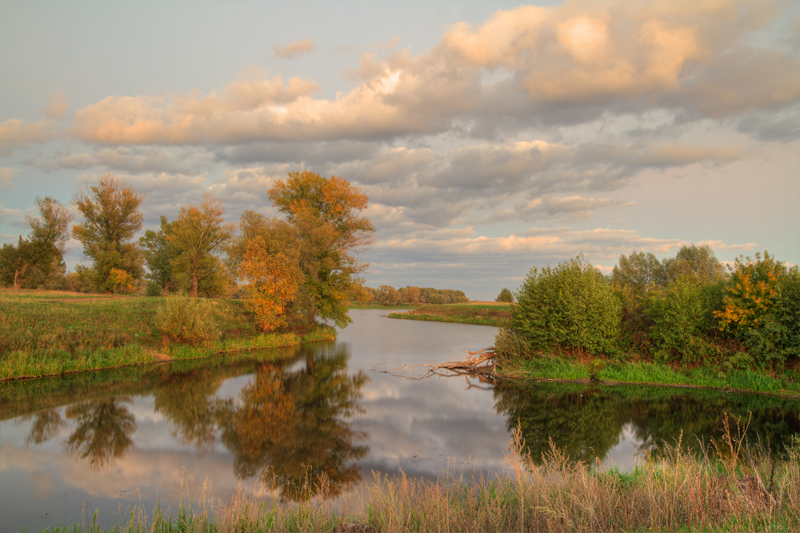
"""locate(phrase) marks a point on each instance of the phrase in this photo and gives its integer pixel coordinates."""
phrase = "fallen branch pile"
(480, 363)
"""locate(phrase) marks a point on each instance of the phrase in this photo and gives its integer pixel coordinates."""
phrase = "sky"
(490, 136)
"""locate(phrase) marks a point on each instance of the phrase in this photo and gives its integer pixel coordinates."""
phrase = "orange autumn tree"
(273, 280)
(329, 229)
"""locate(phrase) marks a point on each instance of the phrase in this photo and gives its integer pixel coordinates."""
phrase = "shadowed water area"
(145, 435)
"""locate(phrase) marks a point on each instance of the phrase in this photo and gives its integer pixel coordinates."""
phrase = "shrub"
(505, 296)
(680, 316)
(185, 320)
(761, 308)
(571, 306)
(153, 289)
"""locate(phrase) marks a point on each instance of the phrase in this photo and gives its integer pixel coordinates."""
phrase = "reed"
(730, 486)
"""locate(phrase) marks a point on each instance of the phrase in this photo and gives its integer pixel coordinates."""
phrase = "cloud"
(555, 208)
(295, 49)
(62, 161)
(720, 245)
(548, 65)
(18, 132)
(58, 104)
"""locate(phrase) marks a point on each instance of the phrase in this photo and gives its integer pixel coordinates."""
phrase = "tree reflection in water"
(104, 430)
(292, 425)
(45, 426)
(586, 422)
(187, 400)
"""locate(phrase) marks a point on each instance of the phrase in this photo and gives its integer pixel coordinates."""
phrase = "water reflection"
(46, 425)
(187, 400)
(586, 422)
(292, 425)
(104, 430)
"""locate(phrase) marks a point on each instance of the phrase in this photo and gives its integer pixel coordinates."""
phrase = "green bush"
(569, 307)
(761, 309)
(505, 296)
(153, 289)
(680, 317)
(185, 320)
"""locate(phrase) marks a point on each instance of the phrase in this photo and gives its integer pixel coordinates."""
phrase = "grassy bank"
(478, 313)
(607, 371)
(745, 490)
(44, 334)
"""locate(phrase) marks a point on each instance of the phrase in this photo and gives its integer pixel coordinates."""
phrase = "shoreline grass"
(729, 486)
(60, 335)
(609, 372)
(478, 314)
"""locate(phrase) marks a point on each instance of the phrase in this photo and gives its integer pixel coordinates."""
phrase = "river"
(351, 409)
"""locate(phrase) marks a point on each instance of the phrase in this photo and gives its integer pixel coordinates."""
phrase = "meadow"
(44, 333)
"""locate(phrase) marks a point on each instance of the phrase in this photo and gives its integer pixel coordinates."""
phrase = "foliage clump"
(570, 307)
(183, 320)
(505, 296)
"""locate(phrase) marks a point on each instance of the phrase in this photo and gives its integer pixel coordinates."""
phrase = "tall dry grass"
(733, 486)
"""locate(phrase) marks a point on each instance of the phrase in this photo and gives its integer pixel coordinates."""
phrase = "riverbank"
(610, 372)
(745, 490)
(47, 334)
(477, 313)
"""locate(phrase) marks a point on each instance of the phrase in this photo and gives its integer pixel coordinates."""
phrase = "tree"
(158, 254)
(638, 273)
(505, 296)
(111, 219)
(197, 233)
(26, 263)
(274, 279)
(38, 260)
(325, 215)
(696, 261)
(52, 224)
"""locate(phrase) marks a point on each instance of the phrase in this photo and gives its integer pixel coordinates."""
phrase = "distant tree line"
(389, 296)
(685, 310)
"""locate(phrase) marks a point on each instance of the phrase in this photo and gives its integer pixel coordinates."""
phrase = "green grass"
(496, 315)
(547, 366)
(718, 490)
(41, 336)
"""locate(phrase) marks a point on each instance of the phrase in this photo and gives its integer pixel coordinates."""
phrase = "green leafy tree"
(38, 260)
(158, 254)
(52, 224)
(111, 219)
(569, 307)
(325, 215)
(505, 296)
(197, 234)
(24, 265)
(698, 262)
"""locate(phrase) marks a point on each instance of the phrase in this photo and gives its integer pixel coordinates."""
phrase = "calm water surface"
(350, 408)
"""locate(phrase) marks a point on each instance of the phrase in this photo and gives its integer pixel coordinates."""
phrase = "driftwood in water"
(480, 364)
